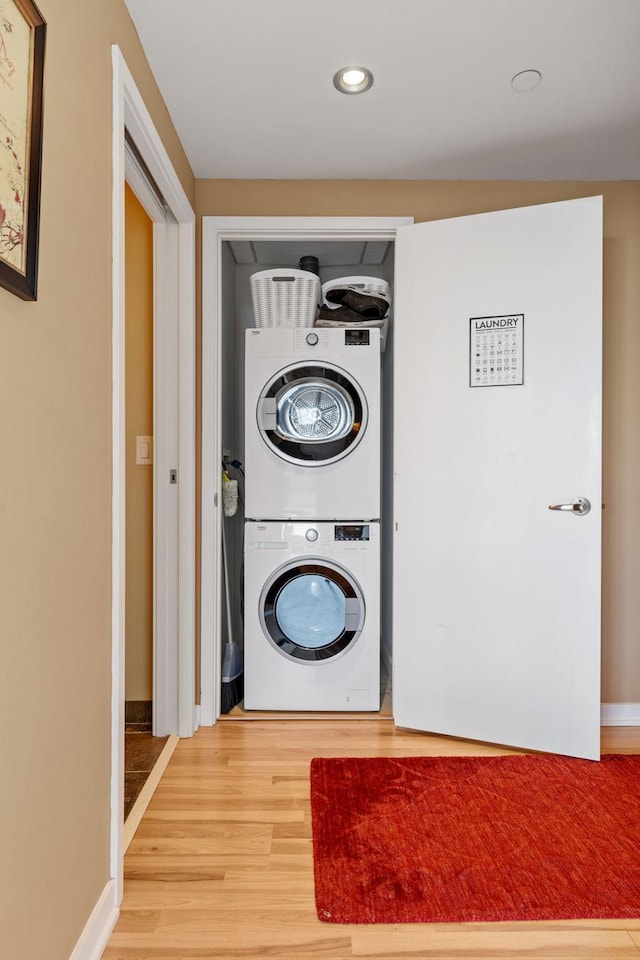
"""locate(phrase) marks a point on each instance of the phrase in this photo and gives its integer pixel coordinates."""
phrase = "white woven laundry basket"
(285, 298)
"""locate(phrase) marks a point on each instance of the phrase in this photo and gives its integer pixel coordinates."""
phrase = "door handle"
(353, 613)
(579, 507)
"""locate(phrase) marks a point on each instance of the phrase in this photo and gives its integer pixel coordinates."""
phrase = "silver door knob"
(579, 507)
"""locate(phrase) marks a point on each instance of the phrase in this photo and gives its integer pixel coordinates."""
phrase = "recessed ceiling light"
(353, 80)
(526, 80)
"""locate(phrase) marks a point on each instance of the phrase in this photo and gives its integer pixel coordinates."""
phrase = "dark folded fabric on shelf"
(340, 315)
(343, 317)
(367, 306)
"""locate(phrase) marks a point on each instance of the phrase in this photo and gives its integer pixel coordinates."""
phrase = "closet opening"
(301, 587)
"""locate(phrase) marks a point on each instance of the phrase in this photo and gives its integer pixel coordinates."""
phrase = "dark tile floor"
(141, 751)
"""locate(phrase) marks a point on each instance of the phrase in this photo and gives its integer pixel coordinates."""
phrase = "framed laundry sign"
(22, 41)
(496, 351)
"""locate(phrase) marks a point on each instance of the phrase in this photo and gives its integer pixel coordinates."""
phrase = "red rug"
(456, 839)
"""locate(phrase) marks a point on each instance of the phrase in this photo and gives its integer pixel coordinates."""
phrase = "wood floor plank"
(336, 949)
(271, 937)
(139, 920)
(207, 896)
(475, 941)
(291, 831)
(145, 894)
(191, 870)
(276, 882)
(226, 838)
(200, 822)
(221, 866)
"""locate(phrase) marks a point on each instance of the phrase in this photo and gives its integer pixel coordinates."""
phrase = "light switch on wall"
(144, 450)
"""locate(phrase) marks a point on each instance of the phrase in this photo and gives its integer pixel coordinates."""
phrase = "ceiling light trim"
(362, 86)
(526, 80)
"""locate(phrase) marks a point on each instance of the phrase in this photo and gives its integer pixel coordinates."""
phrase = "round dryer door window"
(312, 611)
(312, 415)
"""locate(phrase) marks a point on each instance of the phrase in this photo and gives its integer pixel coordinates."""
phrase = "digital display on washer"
(356, 338)
(351, 532)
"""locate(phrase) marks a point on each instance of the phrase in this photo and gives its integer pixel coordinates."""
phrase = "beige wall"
(430, 200)
(55, 500)
(139, 422)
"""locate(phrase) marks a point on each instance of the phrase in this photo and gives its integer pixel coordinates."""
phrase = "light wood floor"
(221, 865)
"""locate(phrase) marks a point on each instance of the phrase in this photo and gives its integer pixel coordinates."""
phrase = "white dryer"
(312, 616)
(312, 423)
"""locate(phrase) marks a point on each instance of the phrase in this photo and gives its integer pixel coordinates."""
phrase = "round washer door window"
(312, 611)
(312, 415)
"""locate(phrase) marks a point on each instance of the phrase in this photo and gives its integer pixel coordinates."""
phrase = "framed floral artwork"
(22, 38)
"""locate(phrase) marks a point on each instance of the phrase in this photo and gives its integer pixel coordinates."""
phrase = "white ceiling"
(248, 84)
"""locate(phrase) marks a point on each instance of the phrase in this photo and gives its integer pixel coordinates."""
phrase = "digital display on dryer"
(356, 338)
(352, 532)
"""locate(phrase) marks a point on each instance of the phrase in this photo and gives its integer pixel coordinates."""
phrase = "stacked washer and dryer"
(312, 519)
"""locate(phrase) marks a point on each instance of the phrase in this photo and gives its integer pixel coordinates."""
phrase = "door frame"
(174, 246)
(165, 415)
(215, 231)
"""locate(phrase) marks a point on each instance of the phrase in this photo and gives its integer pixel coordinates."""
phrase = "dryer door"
(312, 415)
(312, 610)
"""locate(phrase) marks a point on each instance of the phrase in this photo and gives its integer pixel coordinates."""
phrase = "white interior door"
(497, 597)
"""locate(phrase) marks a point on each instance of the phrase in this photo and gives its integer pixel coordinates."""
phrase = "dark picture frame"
(22, 46)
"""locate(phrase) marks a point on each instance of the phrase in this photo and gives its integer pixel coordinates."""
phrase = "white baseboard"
(99, 926)
(620, 715)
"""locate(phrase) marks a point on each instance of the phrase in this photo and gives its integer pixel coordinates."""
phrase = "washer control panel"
(337, 538)
(351, 531)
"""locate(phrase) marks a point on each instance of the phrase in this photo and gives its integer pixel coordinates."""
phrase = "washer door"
(312, 611)
(312, 415)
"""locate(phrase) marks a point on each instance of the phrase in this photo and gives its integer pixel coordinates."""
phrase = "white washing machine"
(312, 616)
(312, 424)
